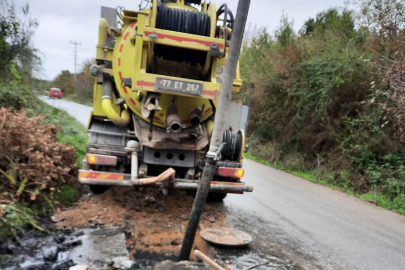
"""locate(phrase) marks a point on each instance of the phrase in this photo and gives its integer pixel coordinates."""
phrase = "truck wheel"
(96, 189)
(216, 197)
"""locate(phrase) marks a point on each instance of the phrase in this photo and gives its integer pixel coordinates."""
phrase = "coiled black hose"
(183, 21)
(232, 147)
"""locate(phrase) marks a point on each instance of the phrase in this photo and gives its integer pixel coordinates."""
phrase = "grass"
(373, 197)
(66, 195)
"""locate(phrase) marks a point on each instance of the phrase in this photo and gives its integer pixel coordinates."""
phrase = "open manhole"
(226, 237)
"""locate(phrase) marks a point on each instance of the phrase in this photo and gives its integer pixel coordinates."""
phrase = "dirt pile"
(155, 224)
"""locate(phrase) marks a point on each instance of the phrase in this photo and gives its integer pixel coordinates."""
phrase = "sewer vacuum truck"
(158, 76)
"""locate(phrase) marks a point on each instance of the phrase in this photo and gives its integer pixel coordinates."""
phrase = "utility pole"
(216, 139)
(75, 54)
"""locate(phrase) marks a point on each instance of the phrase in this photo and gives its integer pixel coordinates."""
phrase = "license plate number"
(180, 87)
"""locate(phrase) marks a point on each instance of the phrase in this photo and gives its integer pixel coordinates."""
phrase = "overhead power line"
(75, 55)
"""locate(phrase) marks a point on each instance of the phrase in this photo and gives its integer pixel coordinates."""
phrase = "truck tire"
(216, 197)
(96, 189)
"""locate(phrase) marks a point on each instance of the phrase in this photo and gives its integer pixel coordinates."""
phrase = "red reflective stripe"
(93, 175)
(125, 89)
(114, 177)
(182, 39)
(210, 93)
(119, 61)
(126, 35)
(121, 47)
(156, 118)
(133, 24)
(119, 73)
(143, 83)
(132, 101)
(186, 121)
(208, 110)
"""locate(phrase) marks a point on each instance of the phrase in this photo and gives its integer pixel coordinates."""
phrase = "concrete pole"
(219, 123)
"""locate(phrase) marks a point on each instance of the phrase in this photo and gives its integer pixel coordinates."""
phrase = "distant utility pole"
(75, 54)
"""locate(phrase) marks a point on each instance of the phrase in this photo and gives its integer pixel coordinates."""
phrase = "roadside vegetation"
(41, 147)
(327, 102)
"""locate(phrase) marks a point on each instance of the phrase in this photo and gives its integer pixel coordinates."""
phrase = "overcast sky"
(77, 20)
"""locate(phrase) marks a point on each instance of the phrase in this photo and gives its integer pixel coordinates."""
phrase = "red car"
(55, 93)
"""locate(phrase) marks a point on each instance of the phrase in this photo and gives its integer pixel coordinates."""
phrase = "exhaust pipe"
(173, 121)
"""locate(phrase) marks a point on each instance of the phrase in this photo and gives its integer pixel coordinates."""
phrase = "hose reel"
(233, 145)
(183, 21)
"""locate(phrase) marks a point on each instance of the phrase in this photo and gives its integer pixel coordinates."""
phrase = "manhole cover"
(226, 237)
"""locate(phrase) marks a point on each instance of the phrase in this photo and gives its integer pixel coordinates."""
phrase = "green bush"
(319, 105)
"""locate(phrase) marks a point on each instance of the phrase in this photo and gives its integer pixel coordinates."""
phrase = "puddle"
(97, 246)
(244, 258)
(29, 254)
(83, 247)
(100, 245)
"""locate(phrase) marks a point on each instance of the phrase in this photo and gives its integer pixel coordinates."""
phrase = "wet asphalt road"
(297, 224)
(319, 227)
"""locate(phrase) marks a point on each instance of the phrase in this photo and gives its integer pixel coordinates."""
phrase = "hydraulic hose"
(106, 103)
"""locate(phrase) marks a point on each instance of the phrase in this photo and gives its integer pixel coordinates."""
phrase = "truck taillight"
(101, 160)
(91, 159)
(231, 172)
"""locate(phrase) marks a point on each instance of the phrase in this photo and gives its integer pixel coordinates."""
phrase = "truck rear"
(158, 76)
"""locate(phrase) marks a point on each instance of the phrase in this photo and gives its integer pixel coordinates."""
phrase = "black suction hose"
(224, 96)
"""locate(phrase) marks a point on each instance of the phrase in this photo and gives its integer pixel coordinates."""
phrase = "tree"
(385, 20)
(15, 35)
(332, 19)
(85, 81)
(65, 82)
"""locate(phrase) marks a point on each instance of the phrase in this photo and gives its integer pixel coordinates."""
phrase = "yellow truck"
(158, 76)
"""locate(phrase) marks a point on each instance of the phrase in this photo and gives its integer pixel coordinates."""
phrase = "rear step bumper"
(88, 177)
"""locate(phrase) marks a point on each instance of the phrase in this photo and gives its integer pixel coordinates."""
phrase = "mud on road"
(154, 224)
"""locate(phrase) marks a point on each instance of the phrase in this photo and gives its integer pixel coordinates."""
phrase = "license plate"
(180, 87)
